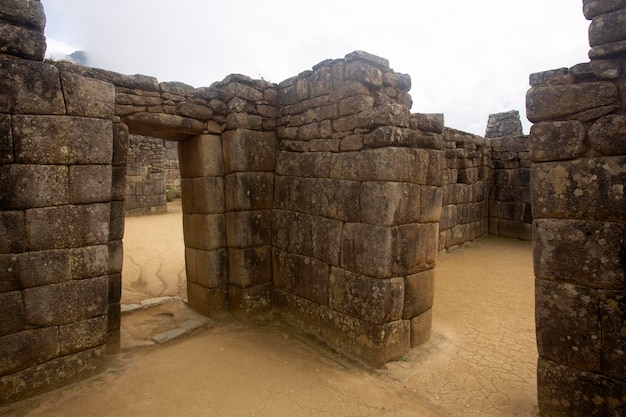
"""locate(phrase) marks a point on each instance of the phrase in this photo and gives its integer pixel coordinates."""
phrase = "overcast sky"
(466, 58)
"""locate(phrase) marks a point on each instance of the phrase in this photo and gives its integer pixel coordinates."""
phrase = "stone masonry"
(578, 154)
(145, 176)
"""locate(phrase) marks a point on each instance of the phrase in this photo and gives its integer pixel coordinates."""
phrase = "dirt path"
(479, 362)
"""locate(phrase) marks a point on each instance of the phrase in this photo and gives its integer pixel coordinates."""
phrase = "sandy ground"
(480, 360)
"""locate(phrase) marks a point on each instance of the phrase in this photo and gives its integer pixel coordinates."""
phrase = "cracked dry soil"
(480, 360)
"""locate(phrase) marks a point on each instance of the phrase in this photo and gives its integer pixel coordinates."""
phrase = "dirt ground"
(480, 360)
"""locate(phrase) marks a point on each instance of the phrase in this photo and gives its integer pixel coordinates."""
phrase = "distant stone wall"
(171, 166)
(510, 211)
(145, 176)
(578, 154)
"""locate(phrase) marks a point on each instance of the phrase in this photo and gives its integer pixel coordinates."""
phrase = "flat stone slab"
(169, 335)
(129, 308)
(153, 302)
(194, 324)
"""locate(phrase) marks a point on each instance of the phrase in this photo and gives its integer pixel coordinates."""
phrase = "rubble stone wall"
(145, 176)
(578, 154)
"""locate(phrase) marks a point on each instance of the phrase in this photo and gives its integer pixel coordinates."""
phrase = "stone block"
(66, 302)
(613, 316)
(364, 72)
(52, 374)
(389, 203)
(301, 276)
(67, 226)
(244, 121)
(428, 122)
(118, 185)
(307, 164)
(121, 142)
(164, 126)
(373, 344)
(431, 203)
(338, 199)
(115, 290)
(30, 87)
(248, 228)
(568, 324)
(593, 8)
(298, 311)
(12, 232)
(115, 256)
(88, 97)
(63, 140)
(28, 14)
(580, 252)
(587, 188)
(248, 150)
(292, 231)
(371, 299)
(90, 183)
(368, 249)
(608, 135)
(43, 268)
(355, 104)
(30, 347)
(204, 195)
(392, 114)
(298, 194)
(326, 239)
(201, 156)
(116, 226)
(545, 103)
(209, 302)
(194, 111)
(82, 335)
(29, 186)
(567, 391)
(608, 28)
(382, 164)
(514, 229)
(414, 248)
(204, 231)
(421, 328)
(241, 90)
(22, 42)
(249, 191)
(6, 139)
(11, 313)
(250, 266)
(249, 302)
(554, 141)
(418, 293)
(211, 268)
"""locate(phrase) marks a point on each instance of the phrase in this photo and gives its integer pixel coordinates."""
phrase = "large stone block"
(62, 140)
(116, 226)
(66, 302)
(248, 228)
(304, 164)
(252, 301)
(326, 239)
(299, 311)
(12, 232)
(302, 276)
(248, 150)
(87, 97)
(211, 267)
(568, 324)
(552, 102)
(209, 302)
(299, 194)
(204, 195)
(250, 266)
(371, 299)
(67, 226)
(115, 294)
(392, 114)
(22, 42)
(6, 139)
(431, 203)
(389, 203)
(591, 189)
(11, 313)
(29, 186)
(82, 335)
(115, 256)
(292, 231)
(201, 156)
(121, 141)
(419, 292)
(613, 316)
(44, 268)
(364, 72)
(249, 191)
(608, 135)
(608, 28)
(569, 392)
(29, 14)
(90, 183)
(204, 231)
(421, 328)
(414, 248)
(27, 348)
(30, 87)
(593, 8)
(580, 252)
(338, 199)
(373, 344)
(163, 125)
(555, 141)
(368, 249)
(382, 164)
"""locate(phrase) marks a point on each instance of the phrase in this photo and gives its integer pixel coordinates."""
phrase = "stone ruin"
(321, 197)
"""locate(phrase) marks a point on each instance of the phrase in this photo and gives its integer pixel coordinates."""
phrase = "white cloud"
(467, 59)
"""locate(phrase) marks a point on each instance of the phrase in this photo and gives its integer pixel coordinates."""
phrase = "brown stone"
(249, 191)
(6, 139)
(338, 199)
(554, 141)
(608, 50)
(382, 164)
(90, 183)
(243, 91)
(29, 14)
(22, 42)
(164, 126)
(249, 302)
(608, 28)
(204, 195)
(302, 276)
(12, 232)
(613, 316)
(86, 97)
(326, 239)
(250, 266)
(44, 268)
(580, 252)
(201, 156)
(568, 324)
(544, 103)
(204, 231)
(248, 228)
(414, 248)
(367, 249)
(385, 115)
(371, 299)
(247, 150)
(116, 227)
(82, 335)
(421, 328)
(593, 8)
(194, 111)
(12, 313)
(115, 295)
(428, 122)
(62, 140)
(115, 256)
(30, 87)
(364, 72)
(299, 311)
(211, 267)
(27, 348)
(244, 121)
(118, 183)
(418, 293)
(209, 302)
(389, 203)
(558, 76)
(608, 135)
(28, 186)
(120, 144)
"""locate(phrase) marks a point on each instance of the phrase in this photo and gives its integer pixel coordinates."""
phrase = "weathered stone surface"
(608, 135)
(386, 115)
(607, 28)
(593, 8)
(115, 256)
(28, 186)
(371, 299)
(27, 348)
(302, 276)
(194, 111)
(421, 328)
(22, 42)
(568, 324)
(433, 122)
(602, 69)
(555, 141)
(580, 252)
(247, 150)
(414, 248)
(86, 97)
(82, 335)
(12, 313)
(504, 124)
(90, 183)
(29, 14)
(120, 144)
(367, 249)
(243, 91)
(201, 156)
(67, 226)
(115, 294)
(418, 293)
(12, 232)
(337, 200)
(204, 195)
(116, 226)
(389, 203)
(6, 139)
(211, 267)
(204, 231)
(249, 191)
(248, 302)
(43, 268)
(62, 140)
(299, 311)
(383, 164)
(244, 121)
(162, 125)
(296, 164)
(583, 188)
(207, 301)
(177, 88)
(250, 266)
(30, 87)
(248, 228)
(551, 77)
(431, 200)
(552, 102)
(613, 316)
(608, 50)
(326, 239)
(569, 392)
(66, 302)
(377, 61)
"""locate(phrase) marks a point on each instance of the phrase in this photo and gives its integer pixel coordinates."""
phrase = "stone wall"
(171, 166)
(510, 213)
(56, 137)
(145, 176)
(578, 150)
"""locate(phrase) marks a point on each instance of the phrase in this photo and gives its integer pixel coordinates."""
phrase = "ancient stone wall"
(145, 176)
(578, 150)
(171, 166)
(510, 213)
(56, 138)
